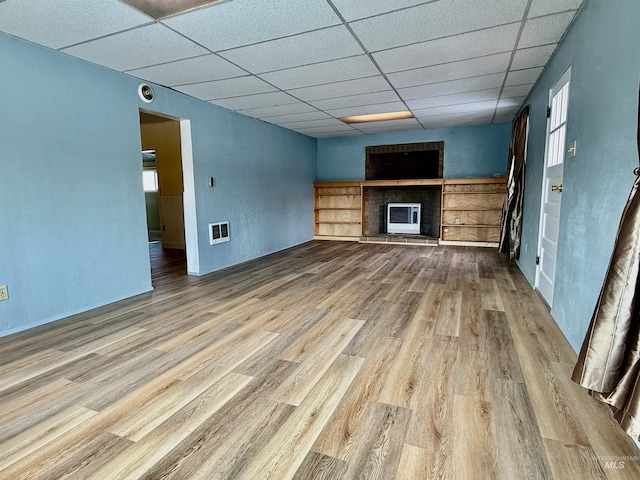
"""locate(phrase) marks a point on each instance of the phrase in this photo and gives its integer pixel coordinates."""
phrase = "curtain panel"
(511, 223)
(609, 360)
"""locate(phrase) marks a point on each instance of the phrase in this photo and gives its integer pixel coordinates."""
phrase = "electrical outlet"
(4, 293)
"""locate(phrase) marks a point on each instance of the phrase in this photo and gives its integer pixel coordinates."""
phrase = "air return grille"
(218, 232)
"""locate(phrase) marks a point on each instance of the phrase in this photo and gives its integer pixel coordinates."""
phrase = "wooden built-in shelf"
(466, 225)
(331, 195)
(466, 209)
(476, 203)
(403, 183)
(339, 208)
(474, 193)
(332, 222)
(471, 211)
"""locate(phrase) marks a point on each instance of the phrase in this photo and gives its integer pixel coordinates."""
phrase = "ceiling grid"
(304, 65)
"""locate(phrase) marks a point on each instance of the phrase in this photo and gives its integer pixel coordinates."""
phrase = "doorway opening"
(167, 172)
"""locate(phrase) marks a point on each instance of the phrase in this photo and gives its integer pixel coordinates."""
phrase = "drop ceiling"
(302, 64)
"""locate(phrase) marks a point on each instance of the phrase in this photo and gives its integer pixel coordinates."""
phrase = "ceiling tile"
(313, 47)
(488, 113)
(487, 105)
(321, 130)
(192, 70)
(231, 87)
(544, 30)
(368, 109)
(444, 100)
(511, 102)
(506, 117)
(450, 49)
(454, 86)
(447, 122)
(325, 72)
(451, 71)
(507, 111)
(337, 134)
(137, 48)
(166, 8)
(331, 129)
(270, 99)
(326, 132)
(351, 10)
(389, 126)
(532, 57)
(233, 24)
(521, 77)
(265, 112)
(356, 100)
(298, 117)
(323, 122)
(435, 20)
(406, 122)
(60, 24)
(516, 91)
(546, 7)
(505, 114)
(341, 89)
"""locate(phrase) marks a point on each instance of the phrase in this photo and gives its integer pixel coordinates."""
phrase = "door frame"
(189, 199)
(555, 88)
(189, 192)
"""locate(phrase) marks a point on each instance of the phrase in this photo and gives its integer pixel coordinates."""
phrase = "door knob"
(556, 188)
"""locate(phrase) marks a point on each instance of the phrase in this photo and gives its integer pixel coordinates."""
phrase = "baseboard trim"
(71, 313)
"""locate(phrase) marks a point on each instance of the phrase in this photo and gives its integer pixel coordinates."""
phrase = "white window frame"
(155, 172)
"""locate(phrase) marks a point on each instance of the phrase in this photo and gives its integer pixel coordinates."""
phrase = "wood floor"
(330, 360)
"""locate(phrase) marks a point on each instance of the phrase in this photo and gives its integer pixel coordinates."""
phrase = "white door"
(552, 187)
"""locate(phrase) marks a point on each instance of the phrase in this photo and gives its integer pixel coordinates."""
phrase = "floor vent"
(218, 232)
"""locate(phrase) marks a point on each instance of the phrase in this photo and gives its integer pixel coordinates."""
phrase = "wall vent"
(218, 232)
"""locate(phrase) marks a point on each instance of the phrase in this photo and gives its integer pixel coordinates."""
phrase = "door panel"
(552, 188)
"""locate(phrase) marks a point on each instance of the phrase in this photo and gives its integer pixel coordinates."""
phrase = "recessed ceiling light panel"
(163, 8)
(377, 117)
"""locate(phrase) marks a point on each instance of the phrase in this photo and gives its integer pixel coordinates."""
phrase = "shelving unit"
(471, 210)
(338, 210)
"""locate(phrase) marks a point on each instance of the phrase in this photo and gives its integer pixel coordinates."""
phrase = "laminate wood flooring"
(329, 360)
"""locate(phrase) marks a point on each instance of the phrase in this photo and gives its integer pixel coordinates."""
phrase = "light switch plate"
(4, 292)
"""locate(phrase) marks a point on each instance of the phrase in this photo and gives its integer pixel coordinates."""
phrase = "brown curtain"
(609, 361)
(511, 224)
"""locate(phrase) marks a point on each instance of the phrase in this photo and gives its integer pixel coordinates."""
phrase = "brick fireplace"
(377, 198)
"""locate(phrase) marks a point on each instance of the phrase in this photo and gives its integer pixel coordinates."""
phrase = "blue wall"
(72, 224)
(603, 49)
(478, 151)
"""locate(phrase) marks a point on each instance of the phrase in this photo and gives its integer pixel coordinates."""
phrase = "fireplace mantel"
(340, 208)
(411, 183)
